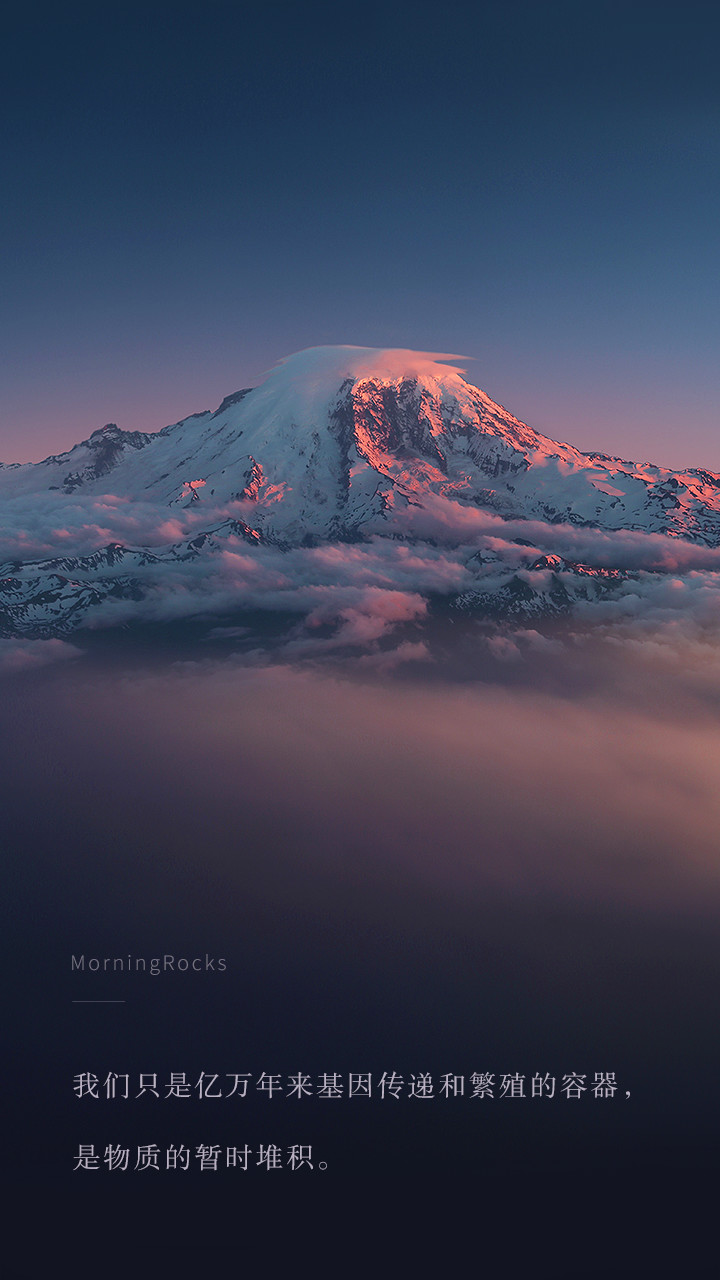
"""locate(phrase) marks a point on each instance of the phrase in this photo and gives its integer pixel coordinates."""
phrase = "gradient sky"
(193, 191)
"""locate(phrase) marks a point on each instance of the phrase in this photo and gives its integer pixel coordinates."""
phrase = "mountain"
(338, 447)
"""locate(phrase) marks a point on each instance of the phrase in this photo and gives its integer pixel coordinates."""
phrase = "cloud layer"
(366, 597)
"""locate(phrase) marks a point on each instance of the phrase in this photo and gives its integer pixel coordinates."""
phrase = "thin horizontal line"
(98, 1001)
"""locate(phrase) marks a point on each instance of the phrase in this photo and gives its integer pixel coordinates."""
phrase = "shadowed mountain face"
(351, 480)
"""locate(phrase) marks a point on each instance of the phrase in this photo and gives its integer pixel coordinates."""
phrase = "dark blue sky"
(192, 191)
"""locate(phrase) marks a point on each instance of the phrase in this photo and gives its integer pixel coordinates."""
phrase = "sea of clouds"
(371, 600)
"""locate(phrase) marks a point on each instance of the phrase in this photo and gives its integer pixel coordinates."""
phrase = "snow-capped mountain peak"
(335, 445)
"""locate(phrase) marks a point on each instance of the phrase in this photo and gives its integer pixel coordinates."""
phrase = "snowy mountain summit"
(339, 447)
